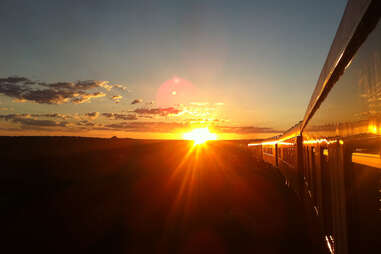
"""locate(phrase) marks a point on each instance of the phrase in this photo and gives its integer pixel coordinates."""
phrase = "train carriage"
(332, 157)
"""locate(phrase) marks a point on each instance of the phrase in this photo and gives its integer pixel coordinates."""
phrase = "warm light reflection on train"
(332, 158)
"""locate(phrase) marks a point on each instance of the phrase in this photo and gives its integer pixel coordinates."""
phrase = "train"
(331, 158)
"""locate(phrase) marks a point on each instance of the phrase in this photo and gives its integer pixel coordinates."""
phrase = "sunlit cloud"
(158, 111)
(22, 89)
(121, 122)
(92, 115)
(116, 98)
(26, 120)
(121, 87)
(158, 127)
(87, 97)
(53, 115)
(120, 116)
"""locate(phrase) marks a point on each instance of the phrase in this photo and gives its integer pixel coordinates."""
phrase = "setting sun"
(200, 135)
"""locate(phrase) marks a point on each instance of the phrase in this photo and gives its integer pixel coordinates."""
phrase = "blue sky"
(261, 59)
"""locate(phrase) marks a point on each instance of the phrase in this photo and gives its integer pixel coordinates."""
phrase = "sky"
(157, 69)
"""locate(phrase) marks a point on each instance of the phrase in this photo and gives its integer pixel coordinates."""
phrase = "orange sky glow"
(179, 108)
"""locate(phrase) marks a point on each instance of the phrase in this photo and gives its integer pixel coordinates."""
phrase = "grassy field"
(78, 195)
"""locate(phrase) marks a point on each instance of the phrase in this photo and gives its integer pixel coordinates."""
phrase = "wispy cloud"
(51, 115)
(126, 122)
(160, 127)
(121, 87)
(26, 120)
(120, 116)
(158, 111)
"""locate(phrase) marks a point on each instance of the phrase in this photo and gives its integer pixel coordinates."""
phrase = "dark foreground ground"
(67, 195)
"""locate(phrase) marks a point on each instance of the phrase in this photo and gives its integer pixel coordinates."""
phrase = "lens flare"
(200, 135)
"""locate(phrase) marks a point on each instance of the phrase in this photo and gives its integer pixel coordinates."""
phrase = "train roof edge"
(338, 57)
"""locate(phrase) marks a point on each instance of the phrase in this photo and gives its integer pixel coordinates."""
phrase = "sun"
(200, 135)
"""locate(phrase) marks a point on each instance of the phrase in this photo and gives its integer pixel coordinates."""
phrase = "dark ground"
(73, 195)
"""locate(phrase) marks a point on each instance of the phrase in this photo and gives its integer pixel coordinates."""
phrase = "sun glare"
(200, 135)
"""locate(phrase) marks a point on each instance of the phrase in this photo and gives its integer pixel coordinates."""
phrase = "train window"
(365, 200)
(367, 159)
(268, 150)
(289, 155)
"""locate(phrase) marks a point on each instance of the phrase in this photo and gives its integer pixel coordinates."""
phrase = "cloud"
(78, 86)
(123, 122)
(26, 120)
(116, 98)
(120, 87)
(14, 80)
(162, 127)
(92, 115)
(87, 97)
(85, 124)
(22, 89)
(136, 101)
(157, 111)
(106, 85)
(51, 115)
(119, 116)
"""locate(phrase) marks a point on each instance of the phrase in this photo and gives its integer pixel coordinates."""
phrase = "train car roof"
(349, 36)
(292, 132)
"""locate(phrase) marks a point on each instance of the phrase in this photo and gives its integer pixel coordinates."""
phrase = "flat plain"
(87, 195)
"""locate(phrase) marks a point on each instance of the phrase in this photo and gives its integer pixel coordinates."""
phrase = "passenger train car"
(331, 159)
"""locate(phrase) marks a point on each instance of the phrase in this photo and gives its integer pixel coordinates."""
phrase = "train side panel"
(290, 162)
(256, 150)
(342, 146)
(332, 159)
(270, 153)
